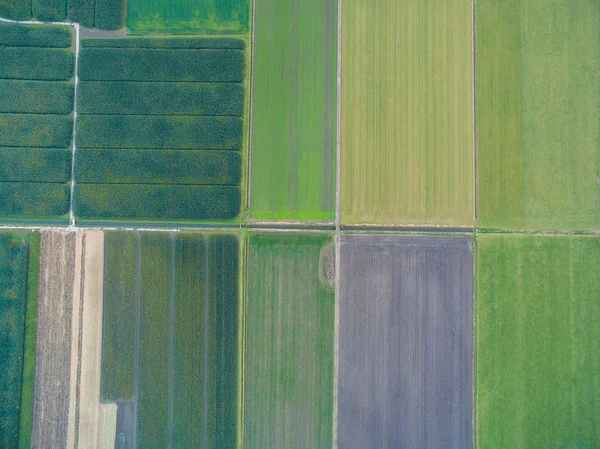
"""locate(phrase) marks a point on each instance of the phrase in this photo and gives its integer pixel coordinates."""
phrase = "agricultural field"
(103, 14)
(171, 337)
(288, 394)
(405, 342)
(407, 113)
(15, 335)
(161, 120)
(538, 128)
(36, 122)
(188, 16)
(294, 110)
(538, 341)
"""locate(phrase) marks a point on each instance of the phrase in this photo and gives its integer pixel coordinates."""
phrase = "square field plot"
(538, 114)
(288, 391)
(405, 342)
(160, 129)
(538, 342)
(36, 121)
(294, 110)
(407, 112)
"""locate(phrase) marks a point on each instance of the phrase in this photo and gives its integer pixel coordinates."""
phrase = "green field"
(294, 110)
(406, 112)
(538, 119)
(154, 399)
(13, 310)
(288, 391)
(188, 16)
(119, 316)
(537, 342)
(26, 410)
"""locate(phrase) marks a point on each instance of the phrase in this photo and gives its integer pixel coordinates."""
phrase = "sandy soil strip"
(53, 351)
(107, 426)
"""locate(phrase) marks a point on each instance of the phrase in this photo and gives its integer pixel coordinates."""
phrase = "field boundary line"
(250, 98)
(79, 342)
(473, 74)
(204, 342)
(76, 80)
(137, 334)
(171, 335)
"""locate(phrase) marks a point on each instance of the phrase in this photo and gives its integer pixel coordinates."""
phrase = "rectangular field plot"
(36, 121)
(170, 347)
(13, 314)
(288, 391)
(103, 14)
(188, 16)
(538, 100)
(405, 342)
(294, 110)
(160, 129)
(538, 340)
(407, 112)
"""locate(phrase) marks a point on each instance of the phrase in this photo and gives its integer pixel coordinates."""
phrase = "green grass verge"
(13, 288)
(101, 97)
(538, 115)
(40, 97)
(289, 356)
(158, 167)
(294, 110)
(538, 340)
(36, 130)
(21, 35)
(153, 371)
(157, 64)
(407, 112)
(22, 199)
(33, 271)
(188, 16)
(140, 132)
(119, 316)
(35, 165)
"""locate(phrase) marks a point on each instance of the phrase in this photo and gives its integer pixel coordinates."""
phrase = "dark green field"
(538, 340)
(36, 124)
(160, 131)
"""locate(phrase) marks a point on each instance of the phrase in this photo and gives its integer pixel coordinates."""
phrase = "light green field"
(188, 16)
(294, 110)
(538, 113)
(406, 112)
(538, 340)
(289, 356)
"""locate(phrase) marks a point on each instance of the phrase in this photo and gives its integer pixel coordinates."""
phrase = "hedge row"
(152, 202)
(20, 35)
(13, 285)
(35, 164)
(47, 97)
(40, 130)
(158, 167)
(115, 97)
(135, 64)
(30, 63)
(172, 42)
(158, 131)
(30, 200)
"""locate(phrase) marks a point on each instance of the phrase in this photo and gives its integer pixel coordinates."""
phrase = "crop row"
(103, 14)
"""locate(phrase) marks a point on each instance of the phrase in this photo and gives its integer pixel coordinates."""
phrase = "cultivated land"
(294, 110)
(13, 314)
(104, 14)
(538, 122)
(405, 343)
(188, 16)
(406, 112)
(288, 391)
(160, 129)
(184, 389)
(538, 340)
(54, 339)
(36, 100)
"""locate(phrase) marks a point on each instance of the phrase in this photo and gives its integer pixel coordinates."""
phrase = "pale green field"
(538, 114)
(406, 105)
